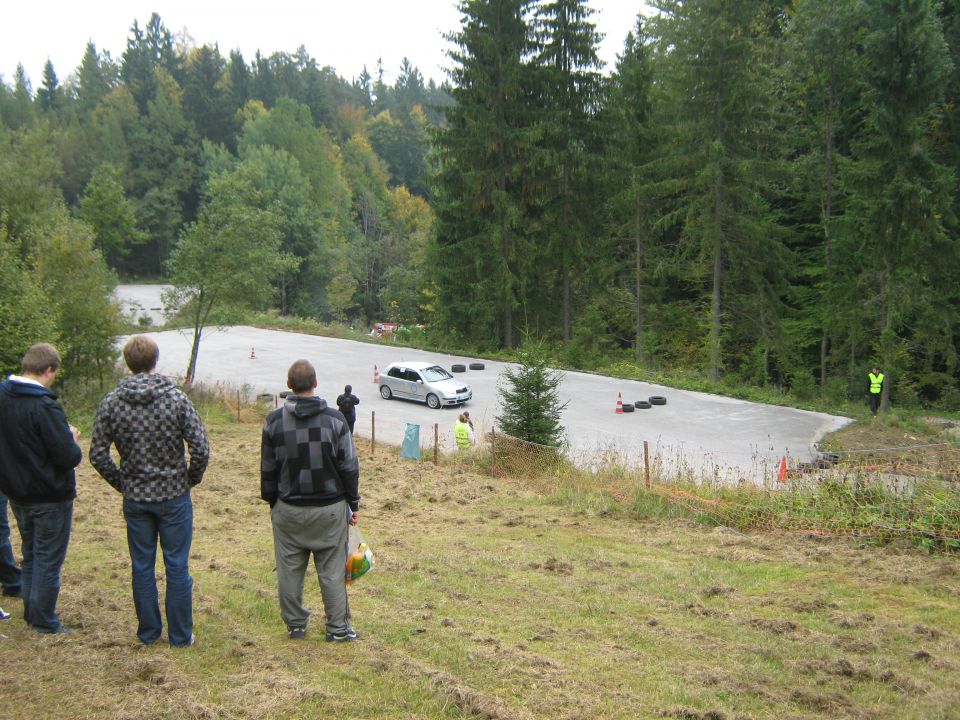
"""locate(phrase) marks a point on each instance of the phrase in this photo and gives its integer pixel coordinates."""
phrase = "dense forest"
(761, 192)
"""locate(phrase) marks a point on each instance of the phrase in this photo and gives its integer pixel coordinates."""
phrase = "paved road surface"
(142, 301)
(706, 435)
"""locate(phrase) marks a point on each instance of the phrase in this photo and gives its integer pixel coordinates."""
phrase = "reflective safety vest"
(876, 383)
(462, 431)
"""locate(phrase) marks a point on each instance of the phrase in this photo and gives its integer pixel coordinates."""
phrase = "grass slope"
(490, 601)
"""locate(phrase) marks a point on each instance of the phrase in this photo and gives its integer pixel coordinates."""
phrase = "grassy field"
(491, 601)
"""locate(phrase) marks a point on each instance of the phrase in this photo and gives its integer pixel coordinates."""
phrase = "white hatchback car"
(424, 382)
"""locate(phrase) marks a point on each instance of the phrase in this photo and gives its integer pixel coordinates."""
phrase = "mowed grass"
(491, 601)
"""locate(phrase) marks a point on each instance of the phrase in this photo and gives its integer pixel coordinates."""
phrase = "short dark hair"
(301, 376)
(39, 358)
(141, 354)
(348, 389)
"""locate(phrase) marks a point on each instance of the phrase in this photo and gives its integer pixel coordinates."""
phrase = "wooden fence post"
(646, 463)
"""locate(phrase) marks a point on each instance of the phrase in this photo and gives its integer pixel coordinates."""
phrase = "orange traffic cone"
(782, 474)
(253, 354)
(619, 404)
(376, 375)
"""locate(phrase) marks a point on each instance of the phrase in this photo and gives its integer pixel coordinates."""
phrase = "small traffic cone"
(619, 404)
(376, 375)
(253, 354)
(782, 474)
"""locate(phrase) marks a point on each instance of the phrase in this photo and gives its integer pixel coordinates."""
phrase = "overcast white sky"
(346, 34)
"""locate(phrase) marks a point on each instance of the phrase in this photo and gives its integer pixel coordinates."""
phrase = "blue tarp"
(411, 442)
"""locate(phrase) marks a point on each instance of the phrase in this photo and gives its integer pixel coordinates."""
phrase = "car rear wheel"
(385, 392)
(433, 402)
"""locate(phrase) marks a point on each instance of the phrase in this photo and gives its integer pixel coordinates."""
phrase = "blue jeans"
(45, 534)
(9, 570)
(170, 521)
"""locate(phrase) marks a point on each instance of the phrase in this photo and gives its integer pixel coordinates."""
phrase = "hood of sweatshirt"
(304, 407)
(16, 388)
(144, 388)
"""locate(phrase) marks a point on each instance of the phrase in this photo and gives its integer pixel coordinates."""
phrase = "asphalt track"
(697, 434)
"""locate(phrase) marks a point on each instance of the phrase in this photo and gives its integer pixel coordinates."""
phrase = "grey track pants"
(298, 532)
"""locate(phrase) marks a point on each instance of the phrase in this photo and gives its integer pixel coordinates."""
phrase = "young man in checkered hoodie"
(310, 475)
(148, 419)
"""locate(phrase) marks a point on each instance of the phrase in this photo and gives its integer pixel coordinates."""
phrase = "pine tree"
(720, 105)
(628, 149)
(484, 157)
(570, 94)
(530, 400)
(50, 94)
(898, 262)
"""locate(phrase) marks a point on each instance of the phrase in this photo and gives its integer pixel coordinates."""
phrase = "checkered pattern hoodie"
(148, 419)
(307, 455)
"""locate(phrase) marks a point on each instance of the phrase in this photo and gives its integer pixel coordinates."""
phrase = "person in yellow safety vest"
(876, 388)
(463, 432)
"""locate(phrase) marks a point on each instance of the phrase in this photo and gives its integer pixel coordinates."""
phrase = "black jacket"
(307, 456)
(348, 406)
(37, 450)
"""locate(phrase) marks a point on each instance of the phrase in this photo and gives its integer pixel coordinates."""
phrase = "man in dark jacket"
(148, 419)
(38, 454)
(310, 475)
(347, 403)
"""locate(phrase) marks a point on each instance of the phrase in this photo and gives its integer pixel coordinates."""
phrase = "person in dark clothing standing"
(10, 575)
(310, 475)
(149, 419)
(348, 403)
(38, 454)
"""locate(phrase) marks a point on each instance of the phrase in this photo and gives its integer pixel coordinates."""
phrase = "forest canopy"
(757, 192)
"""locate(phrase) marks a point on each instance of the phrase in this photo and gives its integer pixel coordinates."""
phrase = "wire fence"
(880, 494)
(910, 492)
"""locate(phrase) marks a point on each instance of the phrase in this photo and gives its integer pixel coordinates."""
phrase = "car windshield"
(435, 373)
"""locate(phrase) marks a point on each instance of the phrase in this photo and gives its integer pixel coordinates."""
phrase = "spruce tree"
(716, 166)
(485, 154)
(530, 400)
(569, 95)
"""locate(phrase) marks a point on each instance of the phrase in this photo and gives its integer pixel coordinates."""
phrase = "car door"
(397, 382)
(414, 385)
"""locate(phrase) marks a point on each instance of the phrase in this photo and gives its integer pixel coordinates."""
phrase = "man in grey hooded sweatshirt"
(149, 419)
(310, 475)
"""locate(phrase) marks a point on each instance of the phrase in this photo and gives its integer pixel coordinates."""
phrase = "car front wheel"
(385, 392)
(433, 402)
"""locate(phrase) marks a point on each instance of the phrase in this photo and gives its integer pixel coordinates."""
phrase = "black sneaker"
(342, 635)
(297, 633)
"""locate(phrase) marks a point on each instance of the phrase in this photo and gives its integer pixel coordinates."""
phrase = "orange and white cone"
(376, 375)
(782, 473)
(619, 404)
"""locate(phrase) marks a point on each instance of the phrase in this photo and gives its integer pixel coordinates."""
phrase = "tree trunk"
(717, 277)
(826, 214)
(565, 252)
(638, 337)
(194, 353)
